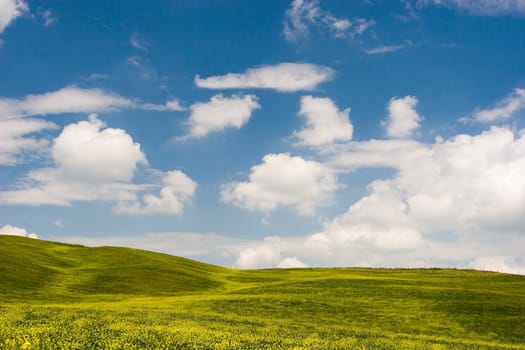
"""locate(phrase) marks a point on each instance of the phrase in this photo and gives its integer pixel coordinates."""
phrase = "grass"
(58, 296)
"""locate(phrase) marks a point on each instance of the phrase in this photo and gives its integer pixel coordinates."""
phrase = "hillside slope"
(56, 295)
(46, 270)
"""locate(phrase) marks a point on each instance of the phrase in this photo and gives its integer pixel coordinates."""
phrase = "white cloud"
(10, 10)
(58, 223)
(70, 99)
(283, 180)
(299, 17)
(178, 189)
(325, 123)
(15, 142)
(402, 117)
(90, 162)
(220, 113)
(304, 14)
(266, 254)
(506, 264)
(285, 77)
(464, 182)
(384, 49)
(86, 151)
(456, 202)
(504, 109)
(291, 262)
(16, 231)
(481, 7)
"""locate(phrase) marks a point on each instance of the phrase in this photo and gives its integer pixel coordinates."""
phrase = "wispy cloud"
(97, 76)
(481, 7)
(504, 109)
(172, 105)
(304, 14)
(16, 140)
(138, 42)
(385, 49)
(144, 69)
(48, 17)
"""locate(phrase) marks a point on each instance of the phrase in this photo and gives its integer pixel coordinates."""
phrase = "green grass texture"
(61, 296)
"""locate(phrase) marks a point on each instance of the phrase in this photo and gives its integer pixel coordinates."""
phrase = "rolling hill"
(46, 270)
(107, 297)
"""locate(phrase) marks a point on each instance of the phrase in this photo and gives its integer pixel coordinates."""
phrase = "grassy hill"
(39, 270)
(68, 296)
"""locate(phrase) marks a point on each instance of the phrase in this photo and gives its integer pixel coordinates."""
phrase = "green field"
(58, 296)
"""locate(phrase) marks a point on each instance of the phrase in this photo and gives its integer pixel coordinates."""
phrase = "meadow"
(59, 296)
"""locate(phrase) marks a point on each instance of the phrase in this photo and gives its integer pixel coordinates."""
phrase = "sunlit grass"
(57, 296)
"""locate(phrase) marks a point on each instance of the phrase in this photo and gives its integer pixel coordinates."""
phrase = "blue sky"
(262, 134)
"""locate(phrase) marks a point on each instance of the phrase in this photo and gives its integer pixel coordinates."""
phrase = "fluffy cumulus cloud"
(463, 185)
(16, 141)
(283, 180)
(93, 162)
(504, 109)
(90, 162)
(177, 190)
(88, 151)
(270, 252)
(70, 99)
(481, 7)
(462, 205)
(261, 255)
(291, 262)
(10, 10)
(402, 117)
(306, 14)
(285, 77)
(325, 123)
(220, 113)
(16, 231)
